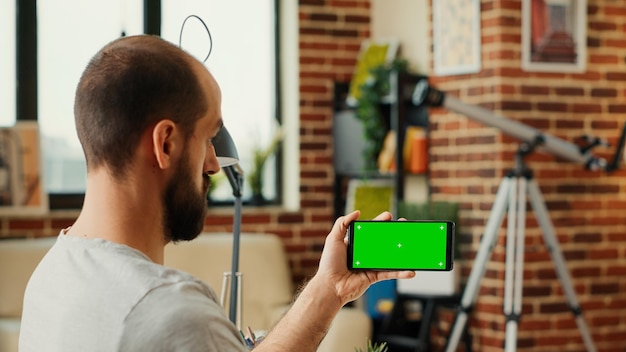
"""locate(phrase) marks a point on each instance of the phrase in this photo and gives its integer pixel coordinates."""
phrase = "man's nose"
(211, 163)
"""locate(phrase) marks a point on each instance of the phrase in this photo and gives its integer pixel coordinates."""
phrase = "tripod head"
(424, 94)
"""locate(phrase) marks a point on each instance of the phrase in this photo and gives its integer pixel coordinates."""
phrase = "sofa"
(18, 259)
(267, 289)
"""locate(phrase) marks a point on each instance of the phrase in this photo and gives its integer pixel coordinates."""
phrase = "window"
(69, 32)
(7, 63)
(66, 42)
(243, 62)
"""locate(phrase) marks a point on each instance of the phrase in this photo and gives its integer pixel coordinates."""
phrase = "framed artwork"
(370, 196)
(21, 181)
(456, 37)
(554, 35)
(372, 53)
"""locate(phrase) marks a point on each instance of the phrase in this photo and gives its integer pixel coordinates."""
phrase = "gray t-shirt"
(95, 295)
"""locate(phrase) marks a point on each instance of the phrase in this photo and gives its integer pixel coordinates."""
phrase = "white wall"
(408, 21)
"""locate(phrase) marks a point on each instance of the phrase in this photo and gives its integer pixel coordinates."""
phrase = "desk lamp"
(228, 159)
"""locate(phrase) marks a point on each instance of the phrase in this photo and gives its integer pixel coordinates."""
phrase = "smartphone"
(401, 245)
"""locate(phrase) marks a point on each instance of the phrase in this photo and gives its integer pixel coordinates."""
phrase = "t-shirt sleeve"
(179, 317)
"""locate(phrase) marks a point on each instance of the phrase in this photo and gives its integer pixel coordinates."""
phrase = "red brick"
(290, 218)
(535, 90)
(616, 76)
(604, 92)
(22, 224)
(601, 26)
(311, 2)
(323, 17)
(357, 19)
(213, 220)
(574, 91)
(617, 11)
(615, 43)
(556, 107)
(348, 33)
(603, 289)
(256, 218)
(617, 108)
(603, 59)
(330, 46)
(59, 224)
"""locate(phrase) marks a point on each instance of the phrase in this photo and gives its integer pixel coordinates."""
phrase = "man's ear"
(164, 142)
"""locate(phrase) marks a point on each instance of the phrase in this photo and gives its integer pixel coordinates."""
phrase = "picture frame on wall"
(554, 35)
(456, 37)
(370, 196)
(21, 181)
(373, 53)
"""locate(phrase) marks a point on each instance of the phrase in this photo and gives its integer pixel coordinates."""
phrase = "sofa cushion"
(351, 329)
(9, 334)
(18, 260)
(267, 289)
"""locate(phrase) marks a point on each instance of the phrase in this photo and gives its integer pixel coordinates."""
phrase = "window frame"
(27, 102)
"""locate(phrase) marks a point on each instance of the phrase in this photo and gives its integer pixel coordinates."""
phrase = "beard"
(185, 206)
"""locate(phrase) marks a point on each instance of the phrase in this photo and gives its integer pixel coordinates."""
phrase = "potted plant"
(260, 156)
(216, 179)
(369, 109)
(374, 347)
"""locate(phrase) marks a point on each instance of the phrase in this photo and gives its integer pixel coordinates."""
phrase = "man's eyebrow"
(218, 127)
(220, 124)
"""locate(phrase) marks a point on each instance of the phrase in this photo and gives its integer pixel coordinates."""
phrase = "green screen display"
(410, 245)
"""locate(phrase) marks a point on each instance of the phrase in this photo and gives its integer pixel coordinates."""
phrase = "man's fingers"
(384, 216)
(341, 224)
(347, 219)
(388, 275)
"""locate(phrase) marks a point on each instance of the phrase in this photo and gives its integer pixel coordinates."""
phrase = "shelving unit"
(348, 164)
(348, 138)
(405, 334)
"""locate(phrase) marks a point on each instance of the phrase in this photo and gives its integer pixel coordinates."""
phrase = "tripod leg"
(480, 262)
(514, 273)
(552, 244)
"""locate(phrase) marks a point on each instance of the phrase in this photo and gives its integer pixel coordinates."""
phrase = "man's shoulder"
(187, 295)
(180, 316)
(100, 275)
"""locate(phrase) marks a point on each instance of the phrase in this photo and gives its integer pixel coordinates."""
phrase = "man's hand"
(306, 323)
(333, 269)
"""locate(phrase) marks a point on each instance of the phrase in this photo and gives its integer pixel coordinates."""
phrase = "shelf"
(401, 333)
(400, 113)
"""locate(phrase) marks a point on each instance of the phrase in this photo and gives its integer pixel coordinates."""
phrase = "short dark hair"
(129, 85)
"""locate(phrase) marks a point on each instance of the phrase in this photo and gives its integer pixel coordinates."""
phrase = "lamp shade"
(225, 149)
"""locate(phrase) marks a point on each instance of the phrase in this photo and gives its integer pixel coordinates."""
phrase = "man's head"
(128, 86)
(144, 87)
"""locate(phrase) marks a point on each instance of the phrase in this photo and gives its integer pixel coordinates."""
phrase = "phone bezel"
(449, 265)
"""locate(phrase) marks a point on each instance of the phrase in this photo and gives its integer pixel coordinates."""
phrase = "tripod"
(512, 193)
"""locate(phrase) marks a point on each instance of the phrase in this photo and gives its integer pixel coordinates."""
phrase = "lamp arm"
(234, 173)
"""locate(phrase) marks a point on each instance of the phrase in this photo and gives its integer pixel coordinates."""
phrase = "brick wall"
(587, 208)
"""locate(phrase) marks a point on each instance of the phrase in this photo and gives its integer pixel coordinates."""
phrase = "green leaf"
(374, 347)
(368, 109)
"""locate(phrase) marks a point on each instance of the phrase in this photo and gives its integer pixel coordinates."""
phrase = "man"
(145, 115)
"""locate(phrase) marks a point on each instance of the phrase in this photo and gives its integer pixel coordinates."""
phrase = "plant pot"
(258, 199)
